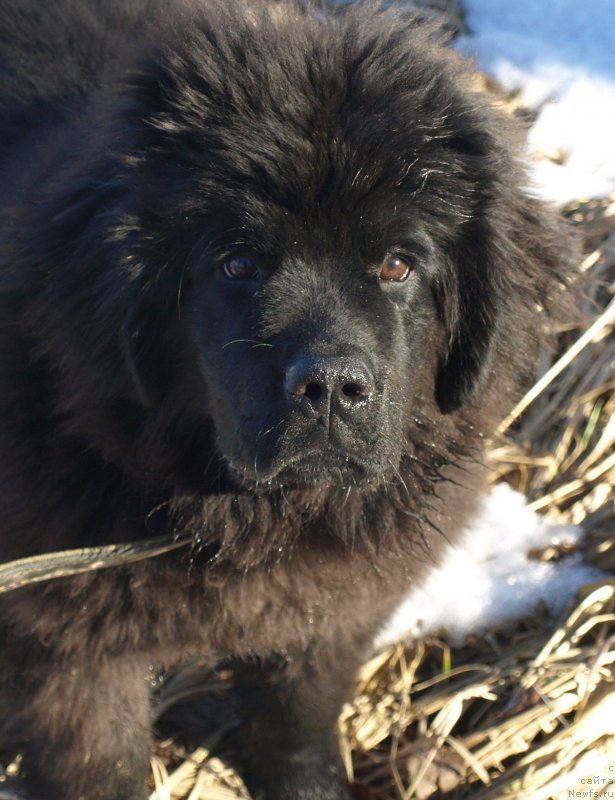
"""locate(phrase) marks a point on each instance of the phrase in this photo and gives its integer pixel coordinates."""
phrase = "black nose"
(320, 382)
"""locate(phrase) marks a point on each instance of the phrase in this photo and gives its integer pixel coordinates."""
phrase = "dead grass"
(562, 452)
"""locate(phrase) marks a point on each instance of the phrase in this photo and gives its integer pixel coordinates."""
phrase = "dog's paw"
(327, 784)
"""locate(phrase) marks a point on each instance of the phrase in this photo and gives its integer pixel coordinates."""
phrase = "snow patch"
(560, 57)
(489, 578)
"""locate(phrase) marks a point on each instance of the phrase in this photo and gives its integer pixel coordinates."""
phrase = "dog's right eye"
(240, 268)
(394, 269)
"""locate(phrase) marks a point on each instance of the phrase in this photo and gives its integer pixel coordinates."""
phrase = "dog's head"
(317, 232)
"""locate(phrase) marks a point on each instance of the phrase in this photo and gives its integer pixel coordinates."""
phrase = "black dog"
(269, 276)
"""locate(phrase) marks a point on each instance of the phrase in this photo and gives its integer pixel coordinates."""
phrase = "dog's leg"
(294, 706)
(84, 731)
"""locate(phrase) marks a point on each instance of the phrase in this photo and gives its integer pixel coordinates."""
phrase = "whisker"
(261, 434)
(255, 342)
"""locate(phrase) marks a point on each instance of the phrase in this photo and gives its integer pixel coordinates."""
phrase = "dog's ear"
(471, 310)
(479, 279)
(101, 222)
(142, 362)
(509, 262)
(90, 218)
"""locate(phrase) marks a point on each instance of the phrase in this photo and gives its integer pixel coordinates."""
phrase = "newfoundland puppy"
(269, 276)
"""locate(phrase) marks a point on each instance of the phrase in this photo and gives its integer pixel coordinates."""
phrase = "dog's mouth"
(308, 469)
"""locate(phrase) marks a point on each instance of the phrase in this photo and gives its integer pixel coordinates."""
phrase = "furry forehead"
(299, 106)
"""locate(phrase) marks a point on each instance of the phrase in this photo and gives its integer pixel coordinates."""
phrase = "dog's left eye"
(394, 268)
(240, 268)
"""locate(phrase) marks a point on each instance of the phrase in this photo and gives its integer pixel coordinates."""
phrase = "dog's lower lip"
(293, 467)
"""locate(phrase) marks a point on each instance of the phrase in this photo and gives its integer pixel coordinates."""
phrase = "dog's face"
(322, 209)
(312, 224)
(329, 208)
(308, 316)
(310, 333)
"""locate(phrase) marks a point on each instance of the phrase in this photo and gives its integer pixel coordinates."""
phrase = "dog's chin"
(305, 471)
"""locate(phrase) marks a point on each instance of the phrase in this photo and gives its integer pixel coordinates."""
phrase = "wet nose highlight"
(319, 381)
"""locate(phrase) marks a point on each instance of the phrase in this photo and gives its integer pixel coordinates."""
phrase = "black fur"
(318, 430)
